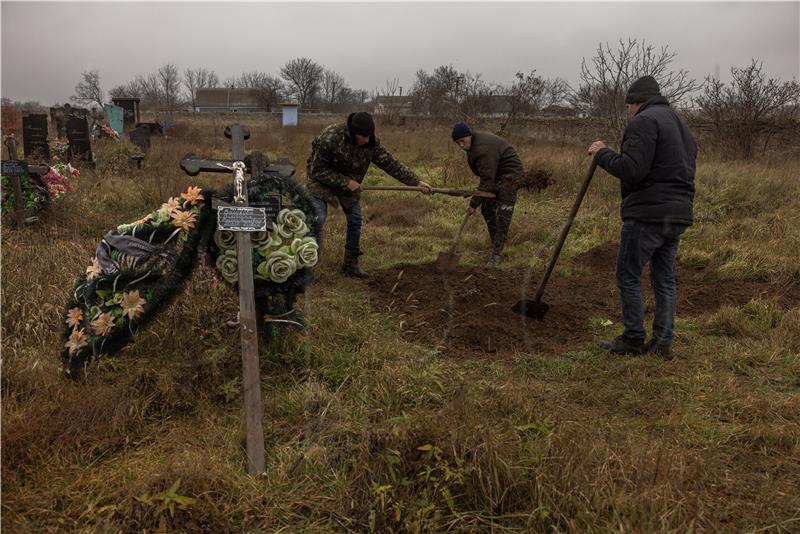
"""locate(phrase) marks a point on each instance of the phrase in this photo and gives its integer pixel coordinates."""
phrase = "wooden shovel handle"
(441, 190)
(565, 230)
(458, 233)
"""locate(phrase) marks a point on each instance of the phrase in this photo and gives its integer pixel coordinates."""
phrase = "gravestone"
(34, 137)
(80, 145)
(140, 136)
(155, 128)
(115, 116)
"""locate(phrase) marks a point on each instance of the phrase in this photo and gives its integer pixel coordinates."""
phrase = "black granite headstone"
(80, 145)
(34, 136)
(140, 137)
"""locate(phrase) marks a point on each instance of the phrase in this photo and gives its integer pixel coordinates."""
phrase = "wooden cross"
(15, 168)
(251, 381)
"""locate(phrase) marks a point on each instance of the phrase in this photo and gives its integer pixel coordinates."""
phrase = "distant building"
(393, 105)
(556, 110)
(227, 99)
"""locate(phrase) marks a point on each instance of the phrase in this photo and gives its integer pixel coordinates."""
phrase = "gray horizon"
(46, 46)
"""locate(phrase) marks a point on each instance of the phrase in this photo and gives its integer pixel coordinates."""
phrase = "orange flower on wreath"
(184, 219)
(192, 195)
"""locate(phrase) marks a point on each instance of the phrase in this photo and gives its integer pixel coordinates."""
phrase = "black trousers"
(498, 213)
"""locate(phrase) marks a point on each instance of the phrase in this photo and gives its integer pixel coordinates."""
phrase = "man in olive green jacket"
(340, 157)
(497, 164)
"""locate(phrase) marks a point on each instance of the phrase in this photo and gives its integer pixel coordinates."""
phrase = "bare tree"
(332, 86)
(606, 78)
(88, 90)
(170, 83)
(199, 78)
(303, 76)
(751, 106)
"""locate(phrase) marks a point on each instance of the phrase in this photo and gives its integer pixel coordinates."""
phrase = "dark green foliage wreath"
(150, 260)
(276, 299)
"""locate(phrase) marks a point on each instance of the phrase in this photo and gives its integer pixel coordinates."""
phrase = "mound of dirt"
(469, 310)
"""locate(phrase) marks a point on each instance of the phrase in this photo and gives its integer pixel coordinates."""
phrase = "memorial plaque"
(271, 206)
(14, 167)
(80, 144)
(241, 219)
(34, 136)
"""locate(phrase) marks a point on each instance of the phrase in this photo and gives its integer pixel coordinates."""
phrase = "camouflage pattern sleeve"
(386, 162)
(321, 157)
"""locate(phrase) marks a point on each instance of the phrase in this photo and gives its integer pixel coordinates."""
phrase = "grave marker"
(34, 137)
(115, 116)
(251, 381)
(80, 144)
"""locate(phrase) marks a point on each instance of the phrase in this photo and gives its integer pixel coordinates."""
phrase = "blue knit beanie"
(461, 130)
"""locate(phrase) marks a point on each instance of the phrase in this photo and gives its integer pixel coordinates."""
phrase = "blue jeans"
(353, 216)
(657, 243)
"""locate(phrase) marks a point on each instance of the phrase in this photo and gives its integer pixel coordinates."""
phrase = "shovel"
(535, 308)
(441, 190)
(448, 261)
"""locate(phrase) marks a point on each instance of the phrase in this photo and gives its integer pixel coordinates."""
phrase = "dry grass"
(413, 441)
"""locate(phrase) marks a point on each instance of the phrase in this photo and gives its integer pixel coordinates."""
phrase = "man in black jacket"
(656, 168)
(497, 164)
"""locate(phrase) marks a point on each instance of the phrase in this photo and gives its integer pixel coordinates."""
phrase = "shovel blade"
(531, 308)
(446, 261)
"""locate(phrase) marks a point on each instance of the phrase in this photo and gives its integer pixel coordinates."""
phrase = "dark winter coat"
(656, 165)
(496, 163)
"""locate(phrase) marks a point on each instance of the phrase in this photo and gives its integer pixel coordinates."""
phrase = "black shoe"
(622, 345)
(350, 265)
(658, 349)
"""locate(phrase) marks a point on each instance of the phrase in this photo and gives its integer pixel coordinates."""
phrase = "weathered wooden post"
(242, 220)
(16, 168)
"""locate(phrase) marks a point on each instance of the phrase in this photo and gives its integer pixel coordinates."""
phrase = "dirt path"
(468, 311)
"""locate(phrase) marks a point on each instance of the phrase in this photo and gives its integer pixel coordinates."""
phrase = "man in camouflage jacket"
(340, 157)
(497, 165)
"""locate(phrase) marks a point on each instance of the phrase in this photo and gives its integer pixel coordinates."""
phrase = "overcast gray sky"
(45, 46)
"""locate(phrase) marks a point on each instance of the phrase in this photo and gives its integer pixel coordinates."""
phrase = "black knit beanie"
(642, 90)
(361, 123)
(460, 130)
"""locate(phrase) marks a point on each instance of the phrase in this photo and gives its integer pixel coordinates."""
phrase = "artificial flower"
(171, 205)
(278, 267)
(228, 266)
(192, 195)
(76, 341)
(225, 239)
(94, 270)
(132, 304)
(103, 324)
(74, 317)
(291, 223)
(305, 251)
(184, 219)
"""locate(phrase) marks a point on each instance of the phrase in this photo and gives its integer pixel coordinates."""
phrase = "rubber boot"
(350, 264)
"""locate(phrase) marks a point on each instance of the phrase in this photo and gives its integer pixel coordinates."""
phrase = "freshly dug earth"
(467, 311)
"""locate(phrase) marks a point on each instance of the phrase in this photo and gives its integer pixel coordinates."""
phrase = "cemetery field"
(416, 402)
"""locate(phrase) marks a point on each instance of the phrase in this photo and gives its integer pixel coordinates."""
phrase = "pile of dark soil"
(469, 310)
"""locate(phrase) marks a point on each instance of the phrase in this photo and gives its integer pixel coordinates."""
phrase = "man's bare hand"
(471, 210)
(426, 187)
(595, 147)
(353, 186)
